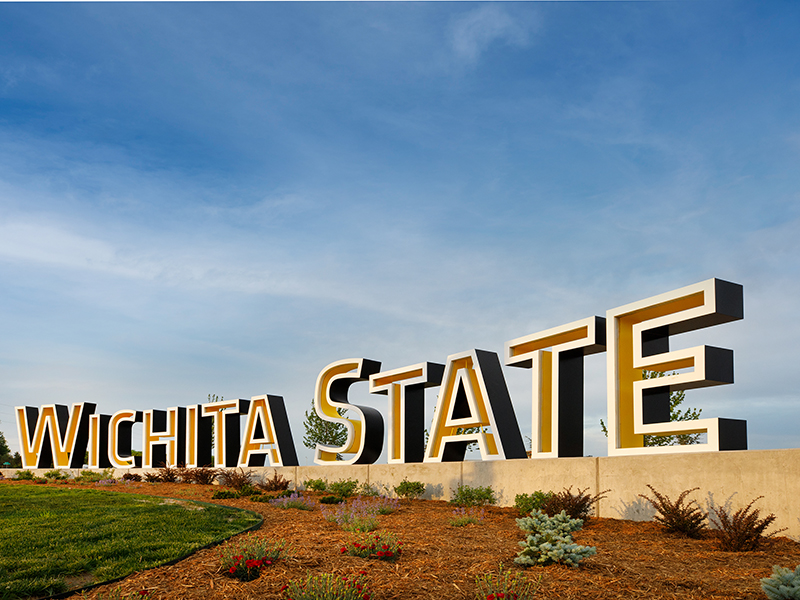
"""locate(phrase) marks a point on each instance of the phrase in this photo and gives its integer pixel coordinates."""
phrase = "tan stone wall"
(734, 478)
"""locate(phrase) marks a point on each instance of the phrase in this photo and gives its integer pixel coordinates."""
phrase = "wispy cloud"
(473, 33)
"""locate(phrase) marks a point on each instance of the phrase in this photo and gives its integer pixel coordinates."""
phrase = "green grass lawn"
(49, 537)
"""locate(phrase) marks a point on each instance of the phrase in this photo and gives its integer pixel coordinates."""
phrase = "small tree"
(5, 451)
(675, 414)
(319, 431)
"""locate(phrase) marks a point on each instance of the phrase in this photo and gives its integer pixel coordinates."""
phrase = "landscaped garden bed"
(441, 560)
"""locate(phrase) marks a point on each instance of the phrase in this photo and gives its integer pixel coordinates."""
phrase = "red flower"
(343, 550)
(362, 572)
(232, 570)
(501, 595)
(284, 588)
(144, 592)
(365, 596)
(385, 547)
(490, 597)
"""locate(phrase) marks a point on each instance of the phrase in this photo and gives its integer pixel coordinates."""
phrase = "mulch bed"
(633, 560)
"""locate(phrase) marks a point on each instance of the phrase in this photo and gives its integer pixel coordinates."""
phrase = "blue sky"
(224, 198)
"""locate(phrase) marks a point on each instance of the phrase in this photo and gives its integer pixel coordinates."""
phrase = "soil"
(633, 560)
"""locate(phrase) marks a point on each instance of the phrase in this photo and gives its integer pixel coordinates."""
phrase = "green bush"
(527, 503)
(783, 585)
(315, 485)
(344, 487)
(466, 495)
(368, 490)
(410, 490)
(550, 541)
(26, 475)
(224, 495)
(56, 474)
(331, 500)
(95, 476)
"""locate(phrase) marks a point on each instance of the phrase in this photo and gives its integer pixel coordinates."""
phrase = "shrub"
(131, 477)
(466, 495)
(467, 516)
(224, 495)
(382, 545)
(549, 540)
(293, 501)
(235, 478)
(539, 522)
(527, 503)
(200, 475)
(368, 490)
(742, 531)
(94, 476)
(168, 474)
(577, 506)
(677, 517)
(25, 475)
(329, 587)
(56, 474)
(276, 483)
(152, 477)
(344, 487)
(511, 586)
(359, 515)
(39, 480)
(410, 490)
(783, 585)
(331, 500)
(315, 485)
(245, 557)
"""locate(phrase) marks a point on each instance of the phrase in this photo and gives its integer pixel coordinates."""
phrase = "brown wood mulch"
(633, 560)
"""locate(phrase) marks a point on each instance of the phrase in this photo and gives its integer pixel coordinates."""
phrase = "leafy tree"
(4, 449)
(319, 431)
(676, 413)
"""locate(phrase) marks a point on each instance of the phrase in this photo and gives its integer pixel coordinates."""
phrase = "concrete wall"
(724, 478)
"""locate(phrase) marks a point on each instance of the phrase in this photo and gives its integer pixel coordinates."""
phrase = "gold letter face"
(365, 436)
(557, 411)
(474, 395)
(638, 339)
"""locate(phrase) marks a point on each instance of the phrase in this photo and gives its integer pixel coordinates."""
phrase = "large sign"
(473, 405)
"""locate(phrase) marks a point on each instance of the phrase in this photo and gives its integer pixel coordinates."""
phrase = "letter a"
(474, 394)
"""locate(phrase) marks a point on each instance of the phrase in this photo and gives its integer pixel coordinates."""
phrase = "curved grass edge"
(166, 563)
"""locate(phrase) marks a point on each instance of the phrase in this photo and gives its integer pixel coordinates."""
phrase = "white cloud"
(474, 32)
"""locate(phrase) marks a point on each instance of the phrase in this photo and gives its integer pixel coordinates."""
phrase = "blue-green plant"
(550, 541)
(25, 475)
(783, 585)
(56, 474)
